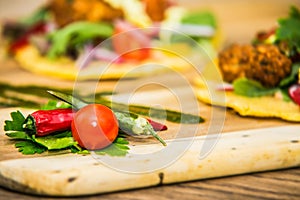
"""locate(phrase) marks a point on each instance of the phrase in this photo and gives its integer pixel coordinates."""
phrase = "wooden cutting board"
(234, 153)
(243, 145)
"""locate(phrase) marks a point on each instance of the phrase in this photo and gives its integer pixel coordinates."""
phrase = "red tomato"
(125, 43)
(94, 127)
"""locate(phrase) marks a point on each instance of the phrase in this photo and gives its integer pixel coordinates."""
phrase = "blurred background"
(239, 20)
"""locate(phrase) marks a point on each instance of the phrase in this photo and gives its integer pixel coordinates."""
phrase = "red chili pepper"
(45, 122)
(157, 126)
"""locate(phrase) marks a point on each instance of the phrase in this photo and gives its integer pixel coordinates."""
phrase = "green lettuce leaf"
(250, 88)
(76, 34)
(200, 18)
(56, 141)
(118, 148)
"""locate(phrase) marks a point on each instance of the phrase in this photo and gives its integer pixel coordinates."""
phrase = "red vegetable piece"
(130, 43)
(157, 126)
(95, 127)
(24, 40)
(294, 92)
(263, 35)
(225, 87)
(49, 121)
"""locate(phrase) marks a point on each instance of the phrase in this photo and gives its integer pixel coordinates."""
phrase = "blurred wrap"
(261, 79)
(59, 39)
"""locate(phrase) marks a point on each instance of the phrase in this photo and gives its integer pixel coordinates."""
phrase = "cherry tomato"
(125, 43)
(94, 127)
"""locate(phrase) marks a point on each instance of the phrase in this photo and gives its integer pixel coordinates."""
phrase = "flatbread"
(30, 59)
(267, 106)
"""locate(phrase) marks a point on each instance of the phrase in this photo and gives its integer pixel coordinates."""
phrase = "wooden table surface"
(239, 21)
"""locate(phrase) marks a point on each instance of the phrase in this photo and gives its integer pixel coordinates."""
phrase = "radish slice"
(294, 92)
(225, 87)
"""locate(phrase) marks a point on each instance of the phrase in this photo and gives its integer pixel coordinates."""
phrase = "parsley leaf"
(19, 135)
(29, 147)
(16, 124)
(289, 30)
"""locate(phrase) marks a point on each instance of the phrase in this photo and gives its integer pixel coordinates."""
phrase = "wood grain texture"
(282, 184)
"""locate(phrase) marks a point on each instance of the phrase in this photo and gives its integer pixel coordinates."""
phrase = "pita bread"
(266, 106)
(30, 59)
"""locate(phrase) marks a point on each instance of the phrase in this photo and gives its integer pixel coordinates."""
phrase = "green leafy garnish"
(289, 30)
(76, 34)
(250, 88)
(21, 135)
(60, 141)
(40, 15)
(292, 78)
(16, 124)
(118, 148)
(30, 147)
(53, 104)
(200, 18)
(29, 144)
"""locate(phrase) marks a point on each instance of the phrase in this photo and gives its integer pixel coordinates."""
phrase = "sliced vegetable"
(45, 122)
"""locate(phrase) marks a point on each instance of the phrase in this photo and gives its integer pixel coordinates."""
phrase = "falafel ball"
(233, 60)
(264, 63)
(268, 65)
